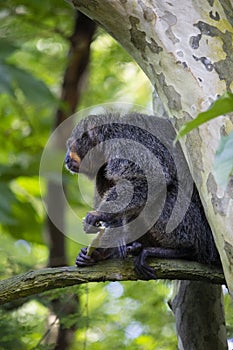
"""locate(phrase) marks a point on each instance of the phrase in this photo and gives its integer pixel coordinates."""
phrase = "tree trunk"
(199, 313)
(186, 52)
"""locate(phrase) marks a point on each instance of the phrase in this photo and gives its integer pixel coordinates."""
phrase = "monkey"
(145, 197)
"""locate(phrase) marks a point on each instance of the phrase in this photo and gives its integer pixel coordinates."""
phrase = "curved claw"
(121, 251)
(145, 271)
(83, 259)
(142, 269)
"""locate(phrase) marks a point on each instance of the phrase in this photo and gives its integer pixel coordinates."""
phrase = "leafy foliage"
(224, 160)
(224, 155)
(221, 106)
(33, 50)
(124, 315)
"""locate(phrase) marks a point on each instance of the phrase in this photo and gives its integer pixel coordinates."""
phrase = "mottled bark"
(203, 308)
(34, 282)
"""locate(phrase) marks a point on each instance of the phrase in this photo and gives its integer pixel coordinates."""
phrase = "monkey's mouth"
(72, 168)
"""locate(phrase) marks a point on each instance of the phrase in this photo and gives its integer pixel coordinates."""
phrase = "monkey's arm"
(121, 201)
(124, 199)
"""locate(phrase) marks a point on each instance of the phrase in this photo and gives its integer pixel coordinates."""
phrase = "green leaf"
(223, 166)
(7, 48)
(5, 80)
(35, 90)
(6, 200)
(221, 106)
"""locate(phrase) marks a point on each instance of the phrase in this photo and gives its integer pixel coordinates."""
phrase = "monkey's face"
(77, 147)
(72, 160)
(79, 157)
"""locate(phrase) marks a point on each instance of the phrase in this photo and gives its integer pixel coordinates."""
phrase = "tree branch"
(34, 282)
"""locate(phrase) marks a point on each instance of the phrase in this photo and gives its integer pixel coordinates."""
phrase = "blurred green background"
(34, 46)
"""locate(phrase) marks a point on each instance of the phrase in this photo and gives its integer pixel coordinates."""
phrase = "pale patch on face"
(75, 157)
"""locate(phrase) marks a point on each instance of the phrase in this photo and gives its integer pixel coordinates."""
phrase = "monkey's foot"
(141, 268)
(134, 249)
(146, 271)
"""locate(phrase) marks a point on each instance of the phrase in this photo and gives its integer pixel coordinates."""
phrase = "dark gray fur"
(133, 157)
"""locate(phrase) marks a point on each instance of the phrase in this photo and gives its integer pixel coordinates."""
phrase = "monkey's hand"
(95, 219)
